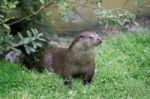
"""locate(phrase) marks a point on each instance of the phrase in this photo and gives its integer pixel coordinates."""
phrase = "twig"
(82, 4)
(97, 7)
(36, 12)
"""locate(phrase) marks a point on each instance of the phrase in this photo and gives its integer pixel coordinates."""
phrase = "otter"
(76, 60)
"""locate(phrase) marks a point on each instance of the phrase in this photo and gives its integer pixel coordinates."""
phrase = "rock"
(14, 56)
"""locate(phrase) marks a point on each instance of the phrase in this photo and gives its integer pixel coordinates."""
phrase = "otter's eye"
(81, 36)
(91, 37)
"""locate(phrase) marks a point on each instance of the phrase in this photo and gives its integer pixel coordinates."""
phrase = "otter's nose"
(99, 40)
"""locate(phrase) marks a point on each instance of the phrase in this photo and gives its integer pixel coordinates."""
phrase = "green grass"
(122, 72)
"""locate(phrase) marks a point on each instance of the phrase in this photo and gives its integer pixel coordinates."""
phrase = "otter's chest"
(81, 59)
(78, 62)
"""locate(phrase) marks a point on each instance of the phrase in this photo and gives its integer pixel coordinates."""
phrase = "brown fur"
(77, 60)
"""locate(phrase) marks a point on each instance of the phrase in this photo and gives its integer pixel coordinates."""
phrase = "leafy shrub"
(7, 39)
(32, 41)
(109, 17)
(5, 15)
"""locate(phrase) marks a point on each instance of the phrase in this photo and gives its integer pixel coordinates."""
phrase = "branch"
(82, 4)
(93, 7)
(36, 12)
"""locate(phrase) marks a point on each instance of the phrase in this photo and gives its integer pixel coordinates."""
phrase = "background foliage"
(5, 16)
(31, 16)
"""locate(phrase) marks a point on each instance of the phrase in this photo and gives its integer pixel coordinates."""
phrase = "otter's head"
(86, 40)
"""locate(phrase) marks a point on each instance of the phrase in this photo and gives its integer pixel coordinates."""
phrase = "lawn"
(122, 72)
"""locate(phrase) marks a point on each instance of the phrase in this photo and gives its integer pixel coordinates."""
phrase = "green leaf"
(20, 43)
(26, 40)
(42, 1)
(6, 26)
(32, 49)
(36, 44)
(1, 16)
(29, 33)
(41, 39)
(34, 31)
(27, 48)
(34, 38)
(13, 48)
(39, 44)
(40, 35)
(20, 35)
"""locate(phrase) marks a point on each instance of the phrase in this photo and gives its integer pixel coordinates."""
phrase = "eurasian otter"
(76, 60)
